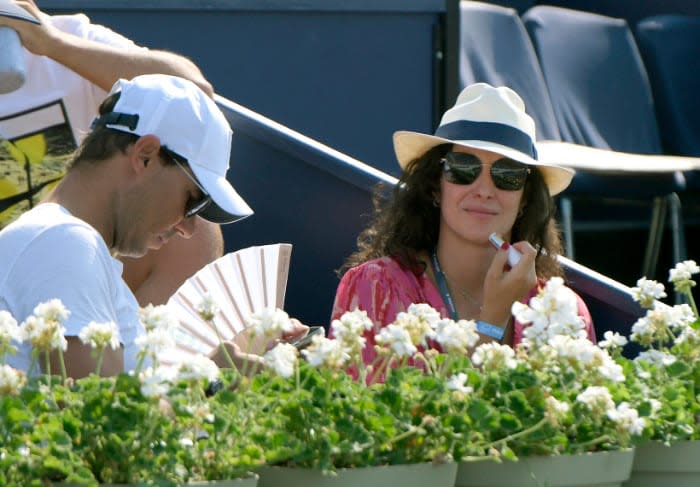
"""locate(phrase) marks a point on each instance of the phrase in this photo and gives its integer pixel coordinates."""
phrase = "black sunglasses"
(193, 207)
(463, 168)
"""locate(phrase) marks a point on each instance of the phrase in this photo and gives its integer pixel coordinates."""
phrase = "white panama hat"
(488, 118)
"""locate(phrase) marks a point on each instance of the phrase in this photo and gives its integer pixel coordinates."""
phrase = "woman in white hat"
(477, 175)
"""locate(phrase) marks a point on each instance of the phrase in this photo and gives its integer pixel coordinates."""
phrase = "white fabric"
(48, 253)
(44, 121)
(50, 114)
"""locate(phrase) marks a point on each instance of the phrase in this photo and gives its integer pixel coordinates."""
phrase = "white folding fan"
(240, 283)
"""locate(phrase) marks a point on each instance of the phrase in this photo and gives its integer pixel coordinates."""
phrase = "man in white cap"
(69, 64)
(157, 157)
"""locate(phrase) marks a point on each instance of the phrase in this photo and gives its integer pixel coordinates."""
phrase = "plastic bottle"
(12, 68)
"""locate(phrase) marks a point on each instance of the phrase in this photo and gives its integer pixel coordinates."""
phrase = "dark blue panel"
(348, 79)
(303, 193)
(670, 45)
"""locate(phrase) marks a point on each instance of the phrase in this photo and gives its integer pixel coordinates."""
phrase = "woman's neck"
(465, 264)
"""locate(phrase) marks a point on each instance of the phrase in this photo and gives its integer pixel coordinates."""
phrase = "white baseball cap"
(189, 124)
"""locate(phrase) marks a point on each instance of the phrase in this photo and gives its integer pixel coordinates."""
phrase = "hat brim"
(10, 9)
(408, 146)
(227, 205)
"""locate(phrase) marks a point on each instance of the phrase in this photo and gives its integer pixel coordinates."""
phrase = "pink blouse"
(383, 288)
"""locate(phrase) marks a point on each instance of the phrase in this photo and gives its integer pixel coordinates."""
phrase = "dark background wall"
(347, 73)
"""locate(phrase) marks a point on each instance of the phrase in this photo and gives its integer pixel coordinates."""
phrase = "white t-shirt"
(48, 253)
(44, 121)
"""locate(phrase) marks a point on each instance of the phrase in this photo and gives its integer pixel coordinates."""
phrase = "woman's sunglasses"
(463, 168)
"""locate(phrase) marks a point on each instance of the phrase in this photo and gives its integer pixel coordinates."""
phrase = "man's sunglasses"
(463, 168)
(195, 207)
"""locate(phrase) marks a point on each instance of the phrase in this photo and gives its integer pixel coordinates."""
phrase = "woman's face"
(473, 211)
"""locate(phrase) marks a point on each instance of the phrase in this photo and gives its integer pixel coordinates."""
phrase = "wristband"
(490, 330)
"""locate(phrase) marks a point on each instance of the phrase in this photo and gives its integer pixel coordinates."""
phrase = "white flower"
(419, 322)
(207, 308)
(681, 275)
(556, 410)
(494, 356)
(656, 357)
(627, 418)
(327, 352)
(424, 312)
(349, 329)
(100, 335)
(282, 359)
(456, 336)
(554, 311)
(456, 383)
(598, 399)
(656, 324)
(648, 292)
(155, 382)
(679, 316)
(579, 353)
(655, 405)
(689, 335)
(398, 339)
(612, 340)
(157, 317)
(201, 411)
(155, 341)
(269, 323)
(196, 368)
(51, 310)
(9, 332)
(11, 380)
(44, 335)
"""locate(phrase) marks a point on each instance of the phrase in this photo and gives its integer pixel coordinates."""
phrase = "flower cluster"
(666, 374)
(432, 393)
(153, 425)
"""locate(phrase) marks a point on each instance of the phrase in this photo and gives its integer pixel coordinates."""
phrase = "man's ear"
(144, 151)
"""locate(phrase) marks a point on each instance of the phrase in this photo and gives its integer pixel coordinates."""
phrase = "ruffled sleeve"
(381, 288)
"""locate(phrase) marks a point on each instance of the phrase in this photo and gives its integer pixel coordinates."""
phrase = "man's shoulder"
(48, 227)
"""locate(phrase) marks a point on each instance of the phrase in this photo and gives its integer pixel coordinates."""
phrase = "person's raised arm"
(99, 63)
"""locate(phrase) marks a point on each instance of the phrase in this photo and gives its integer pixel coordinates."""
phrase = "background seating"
(495, 48)
(670, 47)
(601, 97)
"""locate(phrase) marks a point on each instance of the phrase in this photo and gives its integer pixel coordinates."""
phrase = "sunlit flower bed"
(555, 394)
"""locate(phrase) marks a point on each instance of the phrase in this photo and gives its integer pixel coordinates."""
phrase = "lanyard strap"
(442, 286)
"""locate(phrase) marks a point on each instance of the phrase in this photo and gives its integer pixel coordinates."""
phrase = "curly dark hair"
(409, 222)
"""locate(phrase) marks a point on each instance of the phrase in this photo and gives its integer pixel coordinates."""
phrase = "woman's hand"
(505, 285)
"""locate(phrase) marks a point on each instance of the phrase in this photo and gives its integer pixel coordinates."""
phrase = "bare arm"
(80, 362)
(99, 63)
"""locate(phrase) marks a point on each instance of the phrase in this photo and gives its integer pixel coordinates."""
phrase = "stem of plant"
(48, 366)
(517, 435)
(62, 363)
(100, 357)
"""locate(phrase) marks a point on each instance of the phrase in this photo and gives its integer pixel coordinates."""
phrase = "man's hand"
(247, 352)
